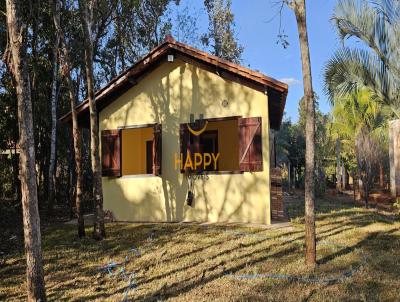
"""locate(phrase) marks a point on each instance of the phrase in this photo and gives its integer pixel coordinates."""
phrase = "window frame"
(216, 172)
(139, 126)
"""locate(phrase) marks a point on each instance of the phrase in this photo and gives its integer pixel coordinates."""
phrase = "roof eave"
(130, 76)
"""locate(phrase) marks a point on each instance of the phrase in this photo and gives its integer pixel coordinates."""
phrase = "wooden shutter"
(111, 152)
(250, 144)
(184, 142)
(157, 149)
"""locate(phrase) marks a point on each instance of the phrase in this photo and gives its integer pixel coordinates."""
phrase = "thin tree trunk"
(338, 166)
(86, 19)
(53, 105)
(77, 139)
(343, 177)
(366, 193)
(299, 7)
(17, 62)
(16, 159)
(71, 185)
(119, 31)
(360, 185)
(381, 176)
(76, 134)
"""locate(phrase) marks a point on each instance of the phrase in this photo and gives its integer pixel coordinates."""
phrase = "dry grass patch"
(194, 262)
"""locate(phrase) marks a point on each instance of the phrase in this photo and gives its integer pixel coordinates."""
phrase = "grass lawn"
(185, 262)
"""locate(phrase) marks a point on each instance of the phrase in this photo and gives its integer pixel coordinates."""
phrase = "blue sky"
(258, 36)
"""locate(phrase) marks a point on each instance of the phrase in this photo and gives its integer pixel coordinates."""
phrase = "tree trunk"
(119, 33)
(17, 183)
(381, 176)
(18, 65)
(360, 185)
(366, 193)
(344, 178)
(76, 135)
(77, 139)
(70, 183)
(87, 19)
(338, 166)
(299, 7)
(53, 105)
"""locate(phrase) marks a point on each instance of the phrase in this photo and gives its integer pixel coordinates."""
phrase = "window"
(237, 141)
(209, 144)
(132, 151)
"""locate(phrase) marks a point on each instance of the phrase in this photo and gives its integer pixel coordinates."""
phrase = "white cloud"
(290, 81)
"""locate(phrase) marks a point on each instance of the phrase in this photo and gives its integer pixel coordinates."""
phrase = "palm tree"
(376, 63)
(358, 120)
(355, 111)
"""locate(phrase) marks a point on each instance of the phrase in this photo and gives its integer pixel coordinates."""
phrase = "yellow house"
(185, 136)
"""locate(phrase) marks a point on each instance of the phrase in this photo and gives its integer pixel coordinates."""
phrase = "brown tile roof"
(277, 91)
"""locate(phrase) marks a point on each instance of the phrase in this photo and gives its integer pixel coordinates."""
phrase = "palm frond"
(372, 25)
(350, 70)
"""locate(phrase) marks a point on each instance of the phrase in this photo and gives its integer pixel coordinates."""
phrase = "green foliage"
(353, 114)
(291, 146)
(367, 154)
(376, 63)
(125, 31)
(221, 34)
(363, 82)
(122, 32)
(185, 28)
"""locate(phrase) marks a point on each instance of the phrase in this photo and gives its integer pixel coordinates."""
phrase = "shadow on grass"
(182, 259)
(295, 208)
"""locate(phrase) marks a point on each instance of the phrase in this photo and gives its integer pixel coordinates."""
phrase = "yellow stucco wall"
(168, 95)
(134, 150)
